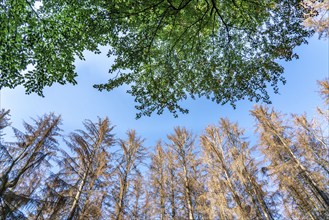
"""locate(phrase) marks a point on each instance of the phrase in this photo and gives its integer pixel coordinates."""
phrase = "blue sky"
(80, 102)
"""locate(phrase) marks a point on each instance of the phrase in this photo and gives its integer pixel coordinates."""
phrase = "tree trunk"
(77, 197)
(188, 195)
(120, 205)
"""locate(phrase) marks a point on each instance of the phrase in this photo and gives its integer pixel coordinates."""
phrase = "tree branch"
(181, 5)
(32, 9)
(222, 19)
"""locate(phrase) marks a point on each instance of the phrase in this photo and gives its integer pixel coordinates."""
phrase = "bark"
(188, 195)
(77, 197)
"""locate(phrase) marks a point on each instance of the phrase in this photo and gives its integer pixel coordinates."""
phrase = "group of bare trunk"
(218, 176)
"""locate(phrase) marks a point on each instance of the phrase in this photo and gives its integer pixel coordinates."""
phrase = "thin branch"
(181, 5)
(222, 19)
(156, 30)
(32, 9)
(187, 28)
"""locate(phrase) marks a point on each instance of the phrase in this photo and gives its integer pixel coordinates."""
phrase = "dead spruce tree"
(188, 171)
(131, 155)
(304, 194)
(77, 191)
(233, 189)
(24, 162)
(158, 181)
(172, 183)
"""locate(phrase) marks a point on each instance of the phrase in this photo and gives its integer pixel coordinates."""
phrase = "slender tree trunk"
(84, 206)
(188, 195)
(236, 197)
(162, 203)
(303, 205)
(120, 206)
(308, 178)
(313, 184)
(4, 178)
(172, 196)
(77, 197)
(259, 196)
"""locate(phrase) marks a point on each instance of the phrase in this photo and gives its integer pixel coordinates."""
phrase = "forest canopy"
(165, 50)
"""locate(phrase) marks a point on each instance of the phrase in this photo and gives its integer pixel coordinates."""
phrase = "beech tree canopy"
(165, 50)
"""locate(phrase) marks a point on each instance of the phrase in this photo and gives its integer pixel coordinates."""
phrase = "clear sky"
(79, 102)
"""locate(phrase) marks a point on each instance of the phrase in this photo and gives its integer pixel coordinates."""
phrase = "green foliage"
(222, 50)
(166, 50)
(46, 39)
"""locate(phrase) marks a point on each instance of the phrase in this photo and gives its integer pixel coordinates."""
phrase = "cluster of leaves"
(38, 45)
(106, 178)
(222, 50)
(166, 50)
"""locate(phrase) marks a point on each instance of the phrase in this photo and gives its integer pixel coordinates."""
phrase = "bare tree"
(234, 191)
(78, 189)
(188, 171)
(138, 203)
(131, 155)
(313, 143)
(23, 163)
(299, 186)
(172, 183)
(158, 181)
